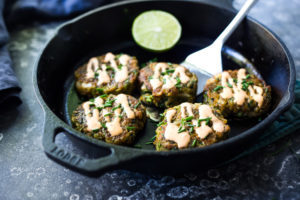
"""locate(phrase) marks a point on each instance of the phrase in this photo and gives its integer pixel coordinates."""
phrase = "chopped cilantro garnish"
(162, 114)
(137, 105)
(149, 99)
(218, 88)
(120, 66)
(150, 77)
(96, 74)
(130, 128)
(92, 100)
(248, 76)
(235, 80)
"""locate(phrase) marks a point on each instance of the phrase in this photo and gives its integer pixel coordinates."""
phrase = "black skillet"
(109, 29)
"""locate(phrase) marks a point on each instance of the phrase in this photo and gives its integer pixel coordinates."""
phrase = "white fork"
(208, 61)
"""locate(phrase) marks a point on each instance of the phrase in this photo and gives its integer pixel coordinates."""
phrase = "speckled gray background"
(26, 173)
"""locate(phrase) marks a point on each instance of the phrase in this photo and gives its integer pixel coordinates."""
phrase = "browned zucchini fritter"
(165, 84)
(107, 74)
(113, 118)
(238, 94)
(189, 126)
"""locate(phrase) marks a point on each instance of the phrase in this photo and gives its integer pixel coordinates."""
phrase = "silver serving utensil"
(208, 61)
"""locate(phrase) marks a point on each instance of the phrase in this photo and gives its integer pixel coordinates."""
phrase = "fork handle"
(235, 22)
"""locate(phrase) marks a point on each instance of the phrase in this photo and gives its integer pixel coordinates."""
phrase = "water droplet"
(55, 195)
(74, 197)
(15, 171)
(167, 180)
(66, 194)
(1, 136)
(68, 181)
(178, 192)
(131, 183)
(124, 191)
(115, 197)
(29, 194)
(213, 173)
(40, 171)
(196, 191)
(88, 197)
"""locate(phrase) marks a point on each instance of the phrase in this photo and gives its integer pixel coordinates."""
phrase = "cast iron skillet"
(109, 29)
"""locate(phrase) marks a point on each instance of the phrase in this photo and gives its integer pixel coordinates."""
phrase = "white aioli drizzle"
(120, 74)
(171, 133)
(113, 126)
(183, 139)
(237, 92)
(92, 119)
(170, 80)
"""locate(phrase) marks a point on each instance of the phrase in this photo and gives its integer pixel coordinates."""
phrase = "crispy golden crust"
(166, 98)
(163, 144)
(127, 137)
(112, 87)
(228, 107)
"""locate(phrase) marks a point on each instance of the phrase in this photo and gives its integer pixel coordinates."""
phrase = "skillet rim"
(285, 102)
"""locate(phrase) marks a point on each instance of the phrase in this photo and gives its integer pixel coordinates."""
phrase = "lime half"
(156, 30)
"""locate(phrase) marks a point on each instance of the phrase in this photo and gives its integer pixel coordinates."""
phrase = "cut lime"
(156, 30)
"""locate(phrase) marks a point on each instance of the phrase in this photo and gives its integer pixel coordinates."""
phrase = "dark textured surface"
(26, 173)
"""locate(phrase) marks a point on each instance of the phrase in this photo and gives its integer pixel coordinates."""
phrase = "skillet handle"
(77, 162)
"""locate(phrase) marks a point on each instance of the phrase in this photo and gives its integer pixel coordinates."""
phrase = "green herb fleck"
(119, 66)
(218, 88)
(150, 77)
(188, 118)
(152, 60)
(248, 76)
(130, 128)
(103, 95)
(108, 67)
(115, 108)
(194, 142)
(103, 125)
(95, 130)
(235, 80)
(204, 119)
(92, 100)
(178, 83)
(108, 103)
(107, 114)
(99, 90)
(137, 105)
(181, 129)
(229, 85)
(99, 108)
(161, 123)
(96, 74)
